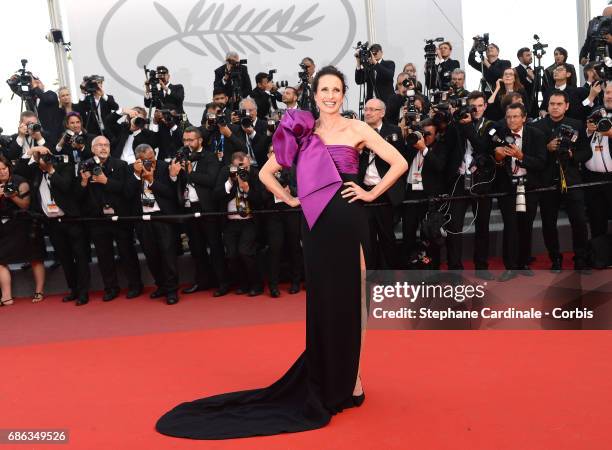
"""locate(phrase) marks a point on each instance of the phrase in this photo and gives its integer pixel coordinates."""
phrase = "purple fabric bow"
(317, 176)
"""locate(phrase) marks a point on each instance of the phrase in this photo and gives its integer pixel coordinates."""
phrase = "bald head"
(374, 112)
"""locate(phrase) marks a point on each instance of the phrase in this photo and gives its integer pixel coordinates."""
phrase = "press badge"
(52, 208)
(107, 210)
(417, 181)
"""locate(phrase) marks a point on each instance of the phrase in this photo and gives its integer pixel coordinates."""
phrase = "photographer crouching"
(151, 184)
(282, 228)
(20, 240)
(567, 147)
(102, 190)
(240, 192)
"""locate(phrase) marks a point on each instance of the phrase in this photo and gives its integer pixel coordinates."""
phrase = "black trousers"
(481, 209)
(284, 228)
(382, 238)
(240, 237)
(204, 235)
(103, 235)
(158, 242)
(70, 244)
(411, 219)
(518, 229)
(549, 211)
(598, 202)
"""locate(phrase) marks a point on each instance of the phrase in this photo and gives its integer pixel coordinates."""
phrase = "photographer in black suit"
(371, 170)
(283, 230)
(251, 132)
(239, 191)
(560, 55)
(526, 74)
(151, 186)
(169, 133)
(170, 95)
(580, 99)
(127, 129)
(197, 181)
(599, 29)
(265, 95)
(29, 135)
(75, 142)
(377, 75)
(567, 147)
(394, 103)
(95, 105)
(53, 195)
(471, 158)
(222, 106)
(517, 168)
(426, 154)
(232, 72)
(445, 65)
(491, 66)
(102, 191)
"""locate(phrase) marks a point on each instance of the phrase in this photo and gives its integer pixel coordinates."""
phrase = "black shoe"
(193, 288)
(157, 293)
(526, 271)
(359, 399)
(70, 297)
(507, 275)
(295, 288)
(172, 298)
(83, 300)
(255, 292)
(241, 291)
(133, 293)
(484, 274)
(582, 269)
(274, 292)
(221, 292)
(556, 266)
(110, 294)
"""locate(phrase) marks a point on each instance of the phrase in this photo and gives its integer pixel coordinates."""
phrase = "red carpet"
(107, 371)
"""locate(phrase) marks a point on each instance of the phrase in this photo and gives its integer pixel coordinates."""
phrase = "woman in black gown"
(325, 378)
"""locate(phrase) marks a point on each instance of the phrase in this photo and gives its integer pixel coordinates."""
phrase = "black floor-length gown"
(321, 381)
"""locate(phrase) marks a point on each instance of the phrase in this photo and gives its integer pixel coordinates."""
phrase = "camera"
(147, 164)
(52, 159)
(153, 84)
(282, 84)
(282, 177)
(599, 27)
(363, 53)
(71, 138)
(183, 154)
(504, 139)
(600, 117)
(148, 202)
(481, 43)
(10, 188)
(480, 174)
(91, 165)
(519, 182)
(91, 83)
(34, 128)
(411, 114)
(239, 171)
(245, 119)
(4, 139)
(303, 75)
(23, 81)
(272, 124)
(463, 108)
(409, 83)
(416, 134)
(567, 137)
(169, 118)
(430, 51)
(441, 115)
(538, 47)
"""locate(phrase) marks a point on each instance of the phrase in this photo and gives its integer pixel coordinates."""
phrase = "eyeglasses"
(372, 109)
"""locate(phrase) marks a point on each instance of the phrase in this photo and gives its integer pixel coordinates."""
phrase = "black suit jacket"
(168, 141)
(395, 194)
(61, 185)
(263, 99)
(259, 143)
(491, 74)
(245, 87)
(164, 189)
(89, 119)
(204, 180)
(445, 69)
(478, 138)
(394, 106)
(581, 152)
(383, 76)
(432, 171)
(525, 81)
(534, 160)
(95, 195)
(172, 100)
(119, 133)
(15, 151)
(69, 150)
(576, 96)
(549, 81)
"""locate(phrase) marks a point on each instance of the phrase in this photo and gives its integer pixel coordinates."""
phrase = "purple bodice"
(318, 166)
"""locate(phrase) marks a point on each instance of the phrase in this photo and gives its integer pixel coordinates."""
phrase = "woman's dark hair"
(328, 70)
(7, 162)
(563, 52)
